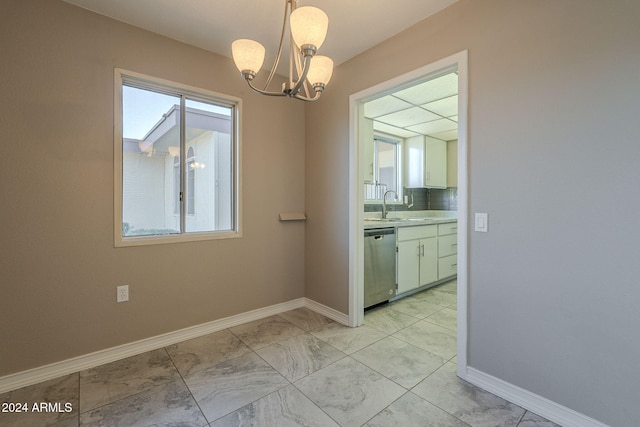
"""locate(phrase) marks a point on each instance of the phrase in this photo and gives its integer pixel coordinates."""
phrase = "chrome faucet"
(384, 202)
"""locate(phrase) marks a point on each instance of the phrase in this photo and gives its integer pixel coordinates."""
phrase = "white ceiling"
(429, 108)
(354, 25)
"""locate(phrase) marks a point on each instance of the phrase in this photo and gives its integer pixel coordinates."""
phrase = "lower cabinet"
(426, 254)
(417, 263)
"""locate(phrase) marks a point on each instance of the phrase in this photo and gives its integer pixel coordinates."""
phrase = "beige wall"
(554, 99)
(58, 267)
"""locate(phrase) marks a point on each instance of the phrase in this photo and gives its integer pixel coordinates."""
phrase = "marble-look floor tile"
(412, 411)
(287, 407)
(232, 384)
(167, 405)
(415, 307)
(299, 356)
(450, 287)
(433, 338)
(399, 361)
(532, 420)
(446, 317)
(387, 320)
(62, 392)
(306, 319)
(437, 297)
(467, 402)
(349, 392)
(346, 339)
(261, 333)
(107, 383)
(207, 350)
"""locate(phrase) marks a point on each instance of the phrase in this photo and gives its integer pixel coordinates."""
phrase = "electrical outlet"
(122, 293)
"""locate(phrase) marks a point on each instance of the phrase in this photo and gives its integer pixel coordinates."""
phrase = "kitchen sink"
(397, 219)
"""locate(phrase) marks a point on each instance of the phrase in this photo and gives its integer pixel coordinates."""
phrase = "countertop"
(408, 219)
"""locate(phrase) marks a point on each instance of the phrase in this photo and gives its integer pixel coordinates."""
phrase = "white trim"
(327, 311)
(73, 365)
(530, 401)
(356, 215)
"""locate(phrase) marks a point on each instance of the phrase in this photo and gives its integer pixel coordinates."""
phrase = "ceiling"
(429, 108)
(354, 25)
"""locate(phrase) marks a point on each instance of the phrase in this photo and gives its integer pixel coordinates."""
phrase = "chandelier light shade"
(309, 26)
(248, 55)
(308, 73)
(320, 70)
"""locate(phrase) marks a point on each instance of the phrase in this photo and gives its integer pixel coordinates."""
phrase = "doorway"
(456, 63)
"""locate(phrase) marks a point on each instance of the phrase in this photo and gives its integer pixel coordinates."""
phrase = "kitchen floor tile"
(412, 411)
(446, 317)
(287, 407)
(61, 391)
(299, 356)
(467, 402)
(387, 320)
(206, 350)
(306, 319)
(261, 333)
(107, 383)
(415, 306)
(349, 392)
(228, 386)
(167, 405)
(399, 361)
(431, 337)
(346, 339)
(437, 297)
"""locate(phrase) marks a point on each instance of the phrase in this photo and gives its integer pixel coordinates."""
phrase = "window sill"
(174, 238)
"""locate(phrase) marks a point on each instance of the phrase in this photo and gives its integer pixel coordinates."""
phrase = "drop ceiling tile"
(409, 117)
(445, 107)
(431, 90)
(446, 136)
(385, 105)
(392, 130)
(435, 126)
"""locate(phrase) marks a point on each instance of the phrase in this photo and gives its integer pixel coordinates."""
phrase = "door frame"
(457, 62)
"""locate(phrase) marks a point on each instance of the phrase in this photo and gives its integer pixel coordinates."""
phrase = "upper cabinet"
(425, 162)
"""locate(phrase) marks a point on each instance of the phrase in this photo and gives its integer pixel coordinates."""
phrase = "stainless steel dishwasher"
(379, 265)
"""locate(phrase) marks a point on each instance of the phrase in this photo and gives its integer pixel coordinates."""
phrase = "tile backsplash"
(423, 199)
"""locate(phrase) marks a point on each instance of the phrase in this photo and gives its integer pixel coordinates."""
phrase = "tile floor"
(294, 369)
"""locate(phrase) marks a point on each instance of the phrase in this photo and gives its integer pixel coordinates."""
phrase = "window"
(177, 160)
(386, 169)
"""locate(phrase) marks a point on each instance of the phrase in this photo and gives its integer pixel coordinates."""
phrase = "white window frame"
(123, 76)
(378, 137)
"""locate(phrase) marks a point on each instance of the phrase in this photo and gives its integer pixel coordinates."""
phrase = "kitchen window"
(176, 162)
(386, 169)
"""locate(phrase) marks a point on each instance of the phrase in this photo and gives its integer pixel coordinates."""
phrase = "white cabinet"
(447, 250)
(425, 162)
(417, 262)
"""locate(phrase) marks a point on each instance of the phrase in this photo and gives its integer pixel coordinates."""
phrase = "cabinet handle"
(454, 265)
(422, 249)
(454, 244)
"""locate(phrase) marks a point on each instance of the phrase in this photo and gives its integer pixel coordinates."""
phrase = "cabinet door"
(436, 163)
(428, 261)
(447, 266)
(408, 265)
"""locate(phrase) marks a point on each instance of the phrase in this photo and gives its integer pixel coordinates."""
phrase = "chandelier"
(307, 71)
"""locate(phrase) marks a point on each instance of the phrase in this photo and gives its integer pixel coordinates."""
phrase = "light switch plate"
(482, 222)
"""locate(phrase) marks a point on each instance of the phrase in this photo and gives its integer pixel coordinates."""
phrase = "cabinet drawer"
(447, 245)
(447, 266)
(419, 232)
(447, 228)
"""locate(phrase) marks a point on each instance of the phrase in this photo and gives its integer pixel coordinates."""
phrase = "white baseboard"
(76, 364)
(327, 311)
(532, 402)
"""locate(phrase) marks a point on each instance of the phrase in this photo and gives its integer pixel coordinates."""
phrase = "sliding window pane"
(150, 162)
(209, 189)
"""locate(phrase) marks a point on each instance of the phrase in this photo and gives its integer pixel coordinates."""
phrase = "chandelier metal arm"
(263, 92)
(284, 27)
